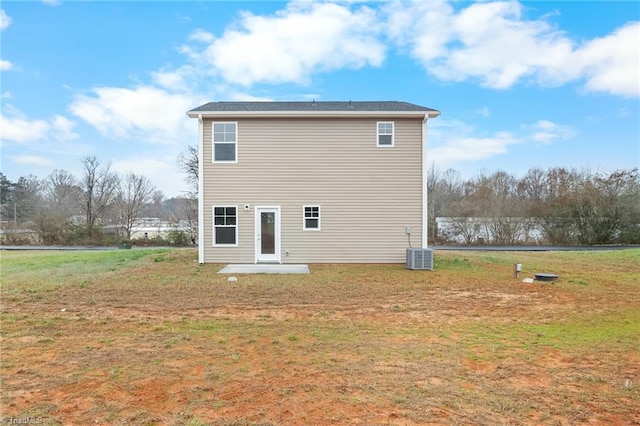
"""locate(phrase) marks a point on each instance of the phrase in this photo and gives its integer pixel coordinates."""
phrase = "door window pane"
(267, 233)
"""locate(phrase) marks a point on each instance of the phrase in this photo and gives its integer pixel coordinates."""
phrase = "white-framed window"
(385, 133)
(225, 142)
(225, 226)
(311, 218)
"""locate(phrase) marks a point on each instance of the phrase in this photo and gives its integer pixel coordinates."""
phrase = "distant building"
(482, 230)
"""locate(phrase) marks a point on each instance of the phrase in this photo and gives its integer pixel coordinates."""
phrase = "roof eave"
(319, 114)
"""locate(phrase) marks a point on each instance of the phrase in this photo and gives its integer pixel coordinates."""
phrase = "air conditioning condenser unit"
(419, 258)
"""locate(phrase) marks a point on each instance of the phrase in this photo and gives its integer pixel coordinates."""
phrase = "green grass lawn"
(151, 337)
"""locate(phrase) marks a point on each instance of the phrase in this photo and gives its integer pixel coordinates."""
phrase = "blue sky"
(519, 84)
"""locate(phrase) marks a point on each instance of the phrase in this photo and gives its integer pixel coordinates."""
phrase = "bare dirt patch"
(164, 341)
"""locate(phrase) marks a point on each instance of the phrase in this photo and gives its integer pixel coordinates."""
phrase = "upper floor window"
(385, 133)
(225, 142)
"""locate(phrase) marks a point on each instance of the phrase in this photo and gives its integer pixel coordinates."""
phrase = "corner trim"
(425, 194)
(201, 218)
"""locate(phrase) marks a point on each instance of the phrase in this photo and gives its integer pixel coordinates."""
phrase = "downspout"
(201, 223)
(425, 195)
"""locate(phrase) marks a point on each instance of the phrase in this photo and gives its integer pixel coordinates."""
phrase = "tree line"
(558, 206)
(98, 207)
(563, 206)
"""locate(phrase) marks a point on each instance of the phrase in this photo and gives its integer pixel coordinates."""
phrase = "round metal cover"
(541, 276)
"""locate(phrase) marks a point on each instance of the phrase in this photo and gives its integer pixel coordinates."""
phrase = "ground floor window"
(225, 224)
(311, 218)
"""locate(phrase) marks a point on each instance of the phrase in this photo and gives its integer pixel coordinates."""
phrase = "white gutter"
(282, 114)
(201, 219)
(425, 193)
(425, 196)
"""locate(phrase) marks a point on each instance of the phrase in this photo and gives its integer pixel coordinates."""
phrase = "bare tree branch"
(99, 187)
(133, 194)
(188, 163)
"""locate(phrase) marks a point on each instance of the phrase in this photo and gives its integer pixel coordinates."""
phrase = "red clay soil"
(437, 352)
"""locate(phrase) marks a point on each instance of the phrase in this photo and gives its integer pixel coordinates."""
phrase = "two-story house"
(311, 182)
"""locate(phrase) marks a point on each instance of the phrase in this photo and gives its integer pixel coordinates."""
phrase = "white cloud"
(290, 45)
(62, 128)
(612, 63)
(423, 26)
(488, 41)
(5, 20)
(546, 132)
(181, 79)
(459, 149)
(285, 47)
(21, 130)
(161, 170)
(453, 142)
(16, 127)
(146, 112)
(493, 43)
(183, 18)
(31, 160)
(201, 35)
(484, 112)
(5, 65)
(623, 112)
(52, 2)
(246, 97)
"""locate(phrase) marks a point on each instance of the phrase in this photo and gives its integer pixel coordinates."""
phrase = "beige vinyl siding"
(367, 194)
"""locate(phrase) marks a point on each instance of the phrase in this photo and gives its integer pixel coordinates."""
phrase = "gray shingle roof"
(265, 106)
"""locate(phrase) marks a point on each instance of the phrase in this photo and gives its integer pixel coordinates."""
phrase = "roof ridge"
(311, 105)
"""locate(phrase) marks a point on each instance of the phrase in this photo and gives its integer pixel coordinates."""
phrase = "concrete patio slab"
(265, 269)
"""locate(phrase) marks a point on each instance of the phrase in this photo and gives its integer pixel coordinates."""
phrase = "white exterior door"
(267, 234)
